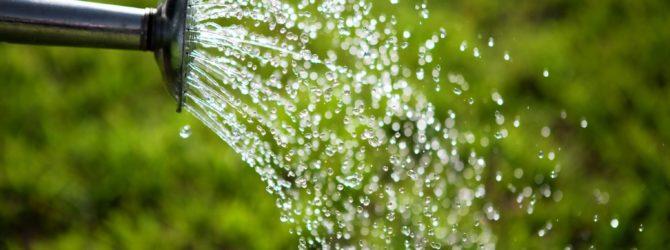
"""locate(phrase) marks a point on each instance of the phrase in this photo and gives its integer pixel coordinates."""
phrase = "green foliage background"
(90, 155)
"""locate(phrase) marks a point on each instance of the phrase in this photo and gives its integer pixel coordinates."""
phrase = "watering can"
(85, 24)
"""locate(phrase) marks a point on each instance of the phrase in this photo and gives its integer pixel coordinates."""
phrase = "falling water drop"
(463, 46)
(614, 223)
(584, 123)
(546, 132)
(185, 132)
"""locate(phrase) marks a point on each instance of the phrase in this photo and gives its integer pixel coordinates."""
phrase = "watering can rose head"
(169, 30)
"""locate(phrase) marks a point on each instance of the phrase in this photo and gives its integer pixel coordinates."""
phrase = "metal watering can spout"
(85, 24)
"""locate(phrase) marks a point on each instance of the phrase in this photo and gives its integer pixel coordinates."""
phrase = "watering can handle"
(75, 23)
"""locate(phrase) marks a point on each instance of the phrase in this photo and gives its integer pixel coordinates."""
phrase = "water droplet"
(584, 123)
(545, 73)
(463, 46)
(497, 98)
(551, 156)
(546, 132)
(420, 74)
(500, 119)
(518, 173)
(185, 132)
(443, 33)
(614, 223)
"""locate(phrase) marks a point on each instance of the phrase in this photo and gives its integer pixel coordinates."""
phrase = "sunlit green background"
(90, 156)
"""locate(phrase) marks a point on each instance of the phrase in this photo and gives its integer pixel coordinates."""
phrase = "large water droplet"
(614, 223)
(584, 123)
(185, 132)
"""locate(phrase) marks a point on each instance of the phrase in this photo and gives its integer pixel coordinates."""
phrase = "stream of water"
(320, 98)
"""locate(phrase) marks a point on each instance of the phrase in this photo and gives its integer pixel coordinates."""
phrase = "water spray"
(326, 101)
(96, 25)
